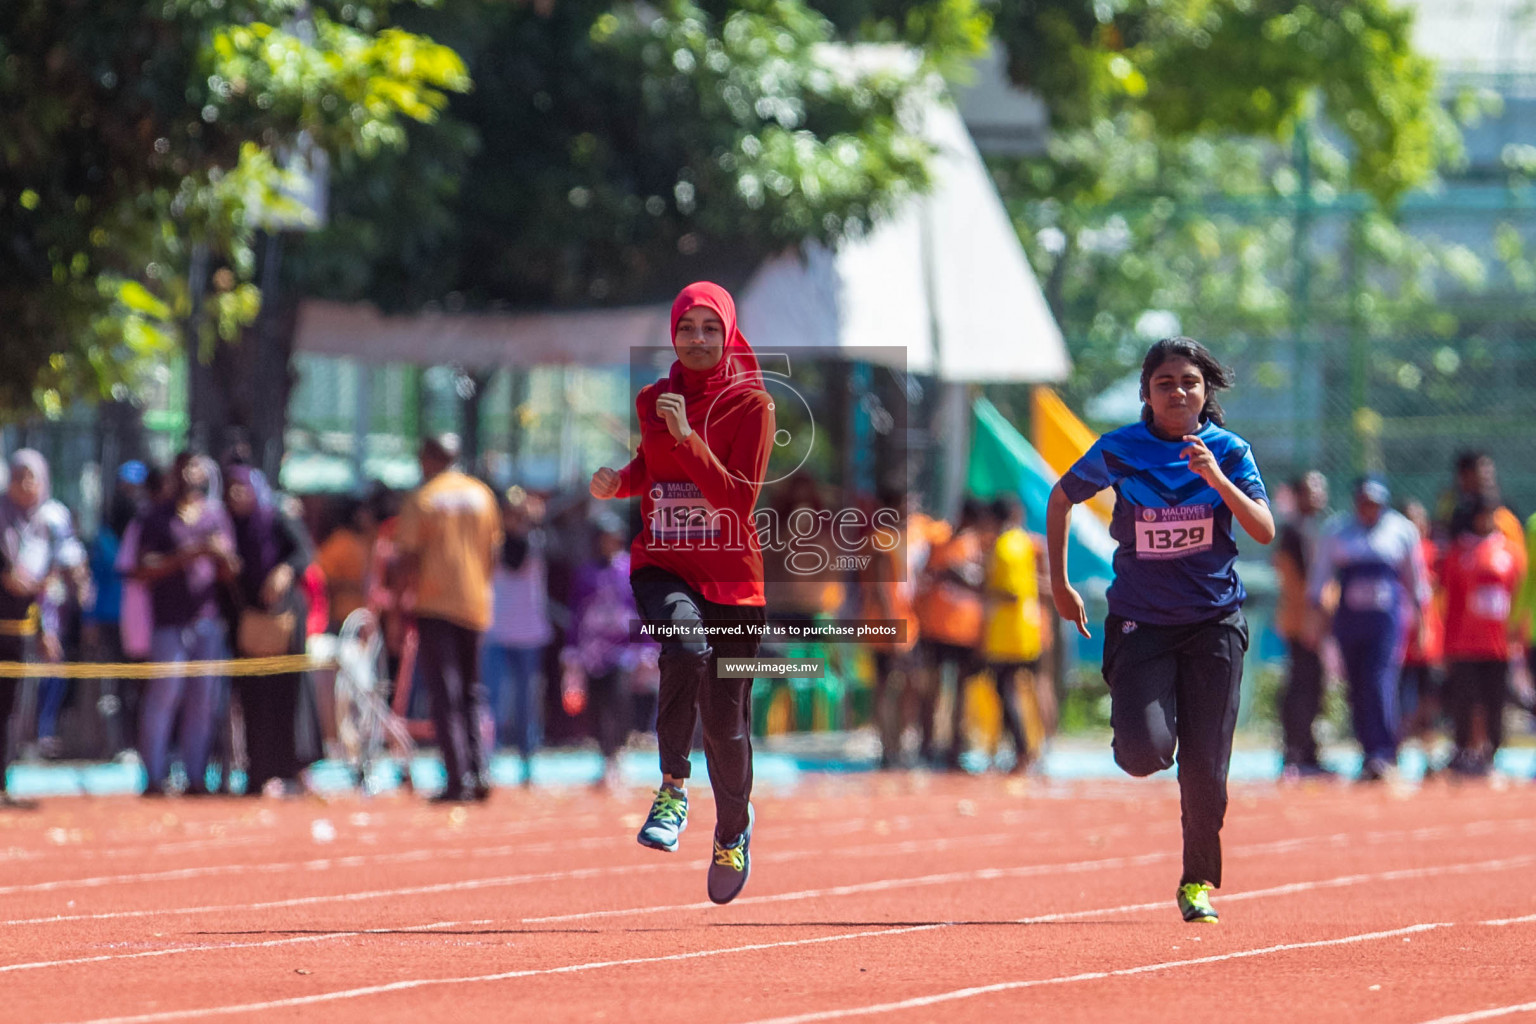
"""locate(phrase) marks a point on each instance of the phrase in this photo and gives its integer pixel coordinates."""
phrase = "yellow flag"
(1061, 439)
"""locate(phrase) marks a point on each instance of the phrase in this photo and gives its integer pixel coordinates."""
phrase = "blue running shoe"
(665, 823)
(731, 866)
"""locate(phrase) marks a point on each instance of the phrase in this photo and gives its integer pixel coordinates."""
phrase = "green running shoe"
(1195, 903)
(665, 823)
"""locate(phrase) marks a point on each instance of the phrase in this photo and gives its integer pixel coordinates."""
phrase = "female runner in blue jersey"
(1175, 635)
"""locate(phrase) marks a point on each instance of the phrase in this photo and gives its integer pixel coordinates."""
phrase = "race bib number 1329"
(1174, 532)
(681, 513)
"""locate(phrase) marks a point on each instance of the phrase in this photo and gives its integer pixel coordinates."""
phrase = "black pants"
(1176, 688)
(893, 675)
(643, 712)
(1005, 676)
(12, 648)
(8, 688)
(689, 689)
(1302, 702)
(1418, 698)
(938, 655)
(1471, 685)
(119, 698)
(448, 660)
(269, 706)
(610, 710)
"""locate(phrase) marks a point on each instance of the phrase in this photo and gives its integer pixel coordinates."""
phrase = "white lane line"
(415, 829)
(415, 826)
(827, 830)
(586, 873)
(54, 851)
(895, 823)
(418, 821)
(944, 878)
(881, 885)
(902, 930)
(162, 876)
(1339, 882)
(346, 897)
(1498, 1011)
(918, 1002)
(923, 1001)
(396, 831)
(469, 853)
(1500, 922)
(317, 864)
(902, 846)
(401, 986)
(220, 947)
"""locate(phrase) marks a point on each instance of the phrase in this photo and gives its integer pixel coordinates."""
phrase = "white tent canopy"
(945, 280)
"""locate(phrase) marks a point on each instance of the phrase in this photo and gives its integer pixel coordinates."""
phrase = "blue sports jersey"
(1174, 562)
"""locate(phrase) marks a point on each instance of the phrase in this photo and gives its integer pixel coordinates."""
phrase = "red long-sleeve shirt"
(697, 495)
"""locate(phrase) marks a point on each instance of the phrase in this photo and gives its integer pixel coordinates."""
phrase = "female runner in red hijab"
(705, 433)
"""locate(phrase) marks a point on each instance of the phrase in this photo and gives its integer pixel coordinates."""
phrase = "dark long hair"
(1217, 377)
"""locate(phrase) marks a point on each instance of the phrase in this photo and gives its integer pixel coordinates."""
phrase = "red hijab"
(737, 372)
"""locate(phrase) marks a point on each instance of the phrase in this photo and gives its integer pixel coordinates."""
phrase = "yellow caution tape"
(22, 627)
(278, 665)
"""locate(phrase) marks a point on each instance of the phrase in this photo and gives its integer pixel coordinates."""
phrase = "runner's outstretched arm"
(1069, 603)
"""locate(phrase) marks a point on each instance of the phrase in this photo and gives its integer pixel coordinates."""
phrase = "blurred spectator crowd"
(203, 560)
(1424, 616)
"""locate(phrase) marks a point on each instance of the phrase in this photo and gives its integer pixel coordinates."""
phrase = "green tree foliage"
(610, 150)
(1246, 67)
(1176, 190)
(948, 33)
(1222, 238)
(131, 134)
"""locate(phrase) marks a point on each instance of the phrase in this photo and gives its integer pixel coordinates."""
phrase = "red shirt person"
(1480, 573)
(697, 492)
(706, 430)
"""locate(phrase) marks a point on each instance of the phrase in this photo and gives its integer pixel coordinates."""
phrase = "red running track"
(873, 898)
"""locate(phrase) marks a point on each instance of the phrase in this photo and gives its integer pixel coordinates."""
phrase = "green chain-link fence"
(1403, 407)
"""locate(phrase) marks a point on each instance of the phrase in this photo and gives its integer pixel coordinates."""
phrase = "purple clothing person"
(136, 622)
(274, 551)
(185, 548)
(185, 596)
(602, 608)
(600, 654)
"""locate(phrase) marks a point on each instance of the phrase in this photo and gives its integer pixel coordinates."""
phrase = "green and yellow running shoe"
(665, 823)
(1195, 903)
(732, 864)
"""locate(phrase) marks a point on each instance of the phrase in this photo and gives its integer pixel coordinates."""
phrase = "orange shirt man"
(448, 536)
